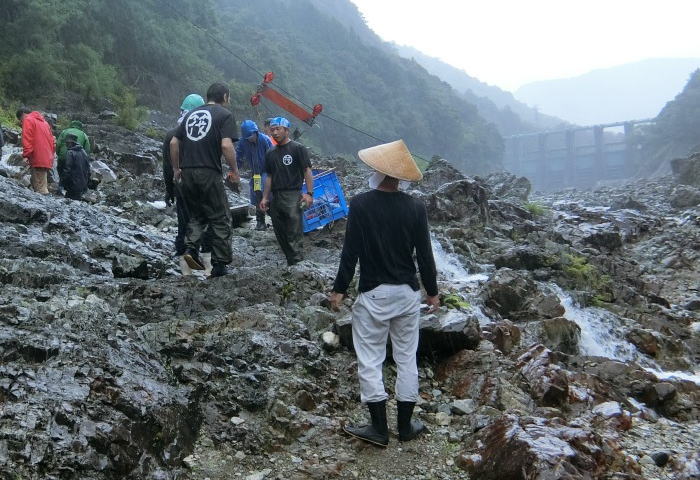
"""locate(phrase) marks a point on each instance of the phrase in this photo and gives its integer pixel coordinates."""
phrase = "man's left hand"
(308, 199)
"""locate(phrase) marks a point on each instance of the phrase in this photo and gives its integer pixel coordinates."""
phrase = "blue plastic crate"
(329, 201)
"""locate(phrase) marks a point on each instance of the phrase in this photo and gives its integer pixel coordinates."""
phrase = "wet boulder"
(561, 335)
(548, 381)
(100, 172)
(536, 448)
(484, 377)
(505, 185)
(646, 341)
(438, 173)
(685, 197)
(129, 266)
(517, 297)
(604, 236)
(505, 335)
(447, 333)
(465, 199)
(687, 170)
(527, 257)
(627, 202)
(107, 115)
(138, 164)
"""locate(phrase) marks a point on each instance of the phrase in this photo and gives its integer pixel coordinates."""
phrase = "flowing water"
(603, 335)
(450, 269)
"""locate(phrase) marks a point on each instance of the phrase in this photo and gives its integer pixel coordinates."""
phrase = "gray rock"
(101, 172)
(464, 406)
(684, 197)
(107, 115)
(125, 266)
(561, 334)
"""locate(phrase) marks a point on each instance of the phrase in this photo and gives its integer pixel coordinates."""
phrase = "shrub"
(130, 114)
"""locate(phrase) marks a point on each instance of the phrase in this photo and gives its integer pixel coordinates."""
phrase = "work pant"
(183, 219)
(207, 204)
(388, 310)
(61, 170)
(257, 198)
(287, 223)
(39, 179)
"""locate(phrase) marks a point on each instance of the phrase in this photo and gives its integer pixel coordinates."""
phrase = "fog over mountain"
(632, 91)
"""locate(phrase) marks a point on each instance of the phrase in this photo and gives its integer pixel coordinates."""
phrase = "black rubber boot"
(378, 432)
(193, 260)
(408, 429)
(218, 270)
(260, 222)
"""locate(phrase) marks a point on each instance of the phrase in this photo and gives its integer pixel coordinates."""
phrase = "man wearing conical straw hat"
(384, 229)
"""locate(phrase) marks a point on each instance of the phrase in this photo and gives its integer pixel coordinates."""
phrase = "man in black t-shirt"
(204, 135)
(287, 166)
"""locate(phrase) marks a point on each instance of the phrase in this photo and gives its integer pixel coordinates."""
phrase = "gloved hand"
(169, 199)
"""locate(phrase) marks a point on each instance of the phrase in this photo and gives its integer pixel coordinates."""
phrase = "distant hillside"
(496, 105)
(676, 132)
(77, 54)
(632, 91)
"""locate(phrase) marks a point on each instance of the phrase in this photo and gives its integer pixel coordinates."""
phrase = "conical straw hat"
(392, 159)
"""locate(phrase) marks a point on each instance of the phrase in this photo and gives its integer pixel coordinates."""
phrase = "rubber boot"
(219, 270)
(193, 260)
(260, 222)
(377, 433)
(184, 268)
(408, 429)
(206, 261)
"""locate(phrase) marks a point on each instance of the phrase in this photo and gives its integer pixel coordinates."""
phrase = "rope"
(233, 54)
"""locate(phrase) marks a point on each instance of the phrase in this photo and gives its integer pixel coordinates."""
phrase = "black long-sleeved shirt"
(383, 231)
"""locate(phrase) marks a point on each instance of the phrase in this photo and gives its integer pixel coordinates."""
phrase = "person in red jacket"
(38, 147)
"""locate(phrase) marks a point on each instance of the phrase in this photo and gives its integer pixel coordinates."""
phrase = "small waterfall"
(7, 152)
(602, 335)
(449, 267)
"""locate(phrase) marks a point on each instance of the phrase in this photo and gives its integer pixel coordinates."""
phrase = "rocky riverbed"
(567, 348)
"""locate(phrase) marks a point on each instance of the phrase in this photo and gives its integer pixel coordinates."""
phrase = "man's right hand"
(177, 174)
(433, 303)
(336, 300)
(264, 205)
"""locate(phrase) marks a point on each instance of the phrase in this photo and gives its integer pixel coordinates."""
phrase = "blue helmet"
(279, 122)
(248, 127)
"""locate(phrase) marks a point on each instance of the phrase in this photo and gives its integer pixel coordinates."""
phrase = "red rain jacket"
(38, 144)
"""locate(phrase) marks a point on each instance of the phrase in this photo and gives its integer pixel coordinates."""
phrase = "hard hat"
(192, 101)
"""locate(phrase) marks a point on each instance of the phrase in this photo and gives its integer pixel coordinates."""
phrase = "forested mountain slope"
(676, 132)
(102, 49)
(498, 106)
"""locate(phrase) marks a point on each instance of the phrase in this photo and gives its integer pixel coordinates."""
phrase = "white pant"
(394, 310)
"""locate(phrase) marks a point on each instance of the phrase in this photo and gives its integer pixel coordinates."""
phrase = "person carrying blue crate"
(384, 230)
(251, 149)
(287, 167)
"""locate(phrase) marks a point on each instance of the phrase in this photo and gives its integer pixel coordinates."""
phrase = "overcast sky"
(512, 42)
